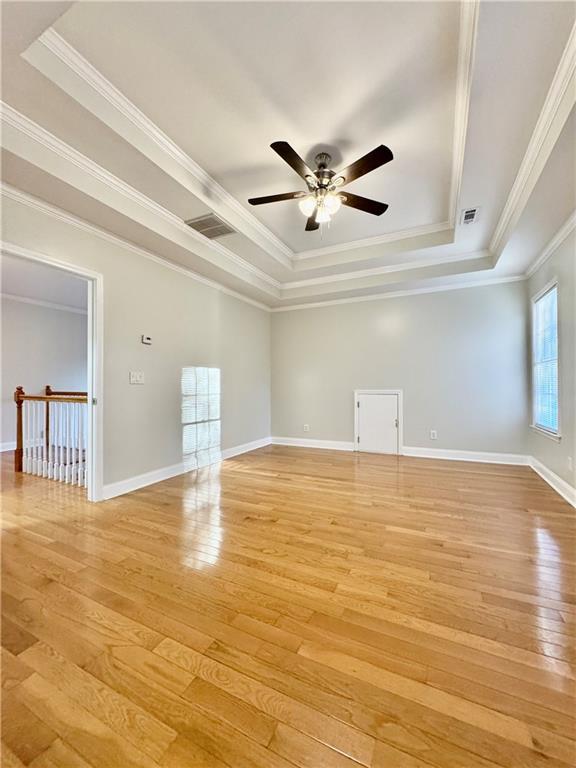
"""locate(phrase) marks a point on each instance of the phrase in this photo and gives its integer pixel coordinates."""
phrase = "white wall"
(40, 346)
(459, 356)
(555, 454)
(190, 324)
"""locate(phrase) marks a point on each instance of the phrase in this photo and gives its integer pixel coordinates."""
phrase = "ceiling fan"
(323, 198)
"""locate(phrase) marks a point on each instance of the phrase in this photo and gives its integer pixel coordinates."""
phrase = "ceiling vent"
(469, 215)
(210, 226)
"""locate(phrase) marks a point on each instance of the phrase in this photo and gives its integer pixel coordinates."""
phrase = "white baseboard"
(565, 490)
(228, 453)
(141, 481)
(330, 445)
(112, 490)
(486, 457)
(7, 447)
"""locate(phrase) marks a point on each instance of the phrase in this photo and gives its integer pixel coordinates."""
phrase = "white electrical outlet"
(306, 427)
(136, 377)
(570, 463)
(433, 434)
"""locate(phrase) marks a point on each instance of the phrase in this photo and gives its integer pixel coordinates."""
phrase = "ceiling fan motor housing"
(322, 160)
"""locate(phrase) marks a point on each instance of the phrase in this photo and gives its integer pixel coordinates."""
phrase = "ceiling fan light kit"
(323, 198)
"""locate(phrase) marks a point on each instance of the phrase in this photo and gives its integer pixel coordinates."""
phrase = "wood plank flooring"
(291, 607)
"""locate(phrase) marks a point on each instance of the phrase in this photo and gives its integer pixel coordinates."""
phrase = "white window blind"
(545, 361)
(200, 416)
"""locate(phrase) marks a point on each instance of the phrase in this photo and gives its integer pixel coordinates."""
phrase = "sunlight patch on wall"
(201, 425)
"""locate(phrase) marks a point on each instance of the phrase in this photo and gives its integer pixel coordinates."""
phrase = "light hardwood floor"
(292, 608)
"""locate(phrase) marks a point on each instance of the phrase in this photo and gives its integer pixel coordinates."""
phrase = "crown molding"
(366, 242)
(399, 294)
(384, 270)
(58, 60)
(41, 303)
(57, 213)
(566, 228)
(146, 211)
(559, 102)
(469, 12)
(150, 139)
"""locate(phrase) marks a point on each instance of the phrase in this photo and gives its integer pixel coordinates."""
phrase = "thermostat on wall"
(147, 340)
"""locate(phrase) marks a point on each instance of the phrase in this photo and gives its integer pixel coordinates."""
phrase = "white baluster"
(25, 439)
(30, 436)
(58, 464)
(61, 468)
(33, 435)
(39, 439)
(84, 444)
(51, 440)
(43, 411)
(66, 407)
(72, 428)
(75, 445)
(80, 441)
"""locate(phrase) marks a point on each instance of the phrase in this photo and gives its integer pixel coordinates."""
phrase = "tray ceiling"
(145, 119)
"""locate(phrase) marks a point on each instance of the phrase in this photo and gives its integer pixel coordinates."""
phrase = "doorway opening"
(51, 388)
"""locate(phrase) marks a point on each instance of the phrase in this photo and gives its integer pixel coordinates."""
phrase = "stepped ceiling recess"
(134, 123)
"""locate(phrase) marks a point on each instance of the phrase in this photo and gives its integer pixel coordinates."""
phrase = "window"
(200, 416)
(545, 360)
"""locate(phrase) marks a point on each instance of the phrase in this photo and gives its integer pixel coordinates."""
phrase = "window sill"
(556, 436)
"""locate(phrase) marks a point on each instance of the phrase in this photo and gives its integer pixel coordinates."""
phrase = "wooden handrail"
(51, 396)
(50, 392)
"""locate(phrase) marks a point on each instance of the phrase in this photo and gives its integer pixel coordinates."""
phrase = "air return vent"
(210, 226)
(469, 215)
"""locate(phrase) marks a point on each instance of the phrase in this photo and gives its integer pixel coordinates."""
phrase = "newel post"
(18, 395)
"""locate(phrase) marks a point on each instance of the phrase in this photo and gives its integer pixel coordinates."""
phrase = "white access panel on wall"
(378, 421)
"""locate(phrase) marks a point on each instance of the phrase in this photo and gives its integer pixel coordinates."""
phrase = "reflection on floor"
(289, 608)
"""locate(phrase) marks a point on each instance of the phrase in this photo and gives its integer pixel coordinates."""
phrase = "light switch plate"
(136, 377)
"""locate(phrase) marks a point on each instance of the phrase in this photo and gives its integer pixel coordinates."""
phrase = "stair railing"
(51, 435)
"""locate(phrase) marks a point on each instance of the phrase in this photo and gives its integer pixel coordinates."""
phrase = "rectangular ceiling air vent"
(469, 215)
(210, 226)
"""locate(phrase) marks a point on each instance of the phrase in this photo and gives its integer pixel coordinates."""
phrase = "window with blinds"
(200, 416)
(545, 360)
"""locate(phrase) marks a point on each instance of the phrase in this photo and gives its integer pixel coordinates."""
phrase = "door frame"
(400, 395)
(95, 352)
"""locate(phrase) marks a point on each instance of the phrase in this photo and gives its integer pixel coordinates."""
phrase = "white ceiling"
(180, 101)
(35, 281)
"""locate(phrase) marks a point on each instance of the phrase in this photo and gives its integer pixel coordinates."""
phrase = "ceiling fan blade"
(275, 198)
(312, 224)
(364, 204)
(374, 159)
(293, 159)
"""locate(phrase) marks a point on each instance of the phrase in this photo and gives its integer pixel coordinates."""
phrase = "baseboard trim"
(485, 457)
(121, 487)
(229, 453)
(7, 447)
(330, 445)
(561, 487)
(112, 490)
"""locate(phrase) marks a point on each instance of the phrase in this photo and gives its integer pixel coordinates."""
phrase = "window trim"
(555, 435)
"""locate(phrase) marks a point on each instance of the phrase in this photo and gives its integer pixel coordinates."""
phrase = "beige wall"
(40, 346)
(190, 324)
(459, 356)
(553, 454)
